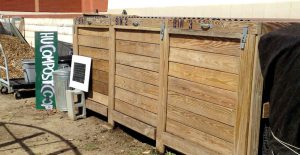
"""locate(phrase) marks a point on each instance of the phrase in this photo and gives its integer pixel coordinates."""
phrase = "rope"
(287, 145)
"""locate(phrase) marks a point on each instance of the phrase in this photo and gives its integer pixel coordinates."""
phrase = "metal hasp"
(244, 38)
(162, 31)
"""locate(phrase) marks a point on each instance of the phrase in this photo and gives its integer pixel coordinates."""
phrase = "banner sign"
(46, 61)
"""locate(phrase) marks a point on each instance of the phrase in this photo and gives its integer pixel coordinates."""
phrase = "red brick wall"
(17, 5)
(92, 5)
(60, 5)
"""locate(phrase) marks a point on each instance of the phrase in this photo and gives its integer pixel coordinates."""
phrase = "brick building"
(84, 6)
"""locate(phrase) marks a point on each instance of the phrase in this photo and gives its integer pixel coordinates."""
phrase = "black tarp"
(280, 63)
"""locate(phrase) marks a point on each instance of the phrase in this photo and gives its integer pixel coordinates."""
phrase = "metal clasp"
(244, 38)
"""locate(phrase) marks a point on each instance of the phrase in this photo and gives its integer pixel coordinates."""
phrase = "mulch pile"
(15, 52)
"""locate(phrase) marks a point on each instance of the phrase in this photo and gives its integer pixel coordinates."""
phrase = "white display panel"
(80, 72)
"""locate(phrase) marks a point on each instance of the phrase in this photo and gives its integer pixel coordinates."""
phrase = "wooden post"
(75, 40)
(163, 89)
(112, 69)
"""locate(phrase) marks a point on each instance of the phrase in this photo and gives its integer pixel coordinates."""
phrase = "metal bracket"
(244, 38)
(162, 31)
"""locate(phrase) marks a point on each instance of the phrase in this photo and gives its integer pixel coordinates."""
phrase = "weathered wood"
(97, 53)
(97, 97)
(201, 123)
(93, 41)
(75, 41)
(206, 34)
(219, 62)
(256, 104)
(93, 31)
(99, 75)
(134, 124)
(141, 88)
(139, 48)
(142, 75)
(201, 138)
(200, 107)
(138, 61)
(185, 146)
(207, 44)
(138, 35)
(207, 93)
(135, 112)
(209, 77)
(137, 100)
(102, 65)
(94, 106)
(112, 71)
(244, 99)
(266, 110)
(100, 87)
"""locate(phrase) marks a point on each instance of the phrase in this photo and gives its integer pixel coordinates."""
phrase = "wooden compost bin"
(208, 78)
(137, 53)
(92, 40)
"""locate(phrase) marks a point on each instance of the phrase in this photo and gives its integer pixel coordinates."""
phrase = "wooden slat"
(135, 112)
(266, 110)
(207, 93)
(97, 53)
(205, 76)
(199, 137)
(97, 97)
(102, 65)
(146, 49)
(201, 123)
(207, 44)
(140, 36)
(185, 146)
(100, 87)
(99, 108)
(209, 110)
(94, 32)
(137, 87)
(99, 75)
(137, 74)
(112, 71)
(219, 62)
(138, 61)
(140, 101)
(134, 124)
(93, 41)
(75, 41)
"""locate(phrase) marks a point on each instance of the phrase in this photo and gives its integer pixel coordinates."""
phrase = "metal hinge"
(244, 38)
(162, 31)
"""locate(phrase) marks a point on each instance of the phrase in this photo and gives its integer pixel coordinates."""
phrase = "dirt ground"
(24, 130)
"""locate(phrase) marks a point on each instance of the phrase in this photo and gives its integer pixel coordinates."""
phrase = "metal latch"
(244, 38)
(162, 31)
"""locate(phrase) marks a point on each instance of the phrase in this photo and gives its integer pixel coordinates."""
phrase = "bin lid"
(28, 61)
(62, 72)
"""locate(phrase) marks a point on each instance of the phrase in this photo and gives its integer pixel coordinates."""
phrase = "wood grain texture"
(97, 53)
(96, 107)
(99, 75)
(138, 61)
(266, 110)
(93, 41)
(137, 100)
(142, 75)
(204, 76)
(112, 71)
(201, 123)
(93, 31)
(244, 99)
(185, 146)
(137, 87)
(207, 93)
(102, 65)
(100, 87)
(136, 112)
(200, 107)
(138, 35)
(207, 44)
(139, 48)
(201, 138)
(97, 97)
(75, 41)
(219, 62)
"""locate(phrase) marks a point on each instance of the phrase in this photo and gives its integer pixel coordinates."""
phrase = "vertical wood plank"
(112, 70)
(256, 104)
(244, 97)
(163, 89)
(75, 40)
